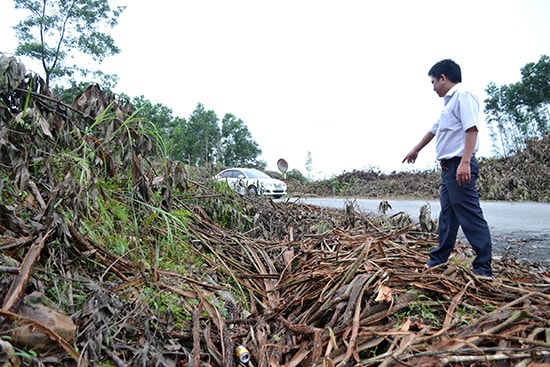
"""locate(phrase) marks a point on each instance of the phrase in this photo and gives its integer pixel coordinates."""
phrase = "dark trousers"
(460, 207)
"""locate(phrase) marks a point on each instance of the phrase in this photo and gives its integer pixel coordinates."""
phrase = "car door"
(234, 179)
(240, 181)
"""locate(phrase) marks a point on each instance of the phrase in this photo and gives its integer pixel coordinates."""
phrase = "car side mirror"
(240, 176)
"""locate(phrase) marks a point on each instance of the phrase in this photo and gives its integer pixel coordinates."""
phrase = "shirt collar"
(450, 93)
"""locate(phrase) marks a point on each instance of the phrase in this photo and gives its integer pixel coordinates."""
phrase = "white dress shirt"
(460, 112)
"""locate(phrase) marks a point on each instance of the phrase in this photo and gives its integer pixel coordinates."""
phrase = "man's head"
(445, 74)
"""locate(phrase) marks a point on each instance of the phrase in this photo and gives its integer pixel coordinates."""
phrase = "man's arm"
(411, 157)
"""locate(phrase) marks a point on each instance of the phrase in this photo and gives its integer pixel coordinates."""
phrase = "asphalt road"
(521, 229)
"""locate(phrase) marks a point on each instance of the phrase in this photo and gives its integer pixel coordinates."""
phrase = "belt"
(445, 162)
(450, 160)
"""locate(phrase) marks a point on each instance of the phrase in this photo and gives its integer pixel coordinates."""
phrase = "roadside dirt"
(525, 248)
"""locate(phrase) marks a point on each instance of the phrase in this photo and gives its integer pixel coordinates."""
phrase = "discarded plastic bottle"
(242, 354)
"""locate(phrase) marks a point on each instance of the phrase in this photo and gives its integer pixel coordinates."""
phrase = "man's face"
(440, 85)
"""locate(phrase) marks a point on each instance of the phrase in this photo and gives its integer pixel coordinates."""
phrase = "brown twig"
(20, 281)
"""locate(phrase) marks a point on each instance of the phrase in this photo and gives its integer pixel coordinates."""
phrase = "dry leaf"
(384, 294)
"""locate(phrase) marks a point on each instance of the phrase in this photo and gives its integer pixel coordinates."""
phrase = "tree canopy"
(201, 137)
(200, 140)
(520, 111)
(237, 146)
(55, 32)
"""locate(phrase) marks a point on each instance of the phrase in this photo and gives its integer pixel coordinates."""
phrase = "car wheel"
(252, 190)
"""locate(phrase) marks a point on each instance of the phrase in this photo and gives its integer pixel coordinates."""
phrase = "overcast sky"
(344, 80)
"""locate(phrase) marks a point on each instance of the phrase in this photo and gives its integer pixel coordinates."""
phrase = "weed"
(335, 186)
(487, 307)
(464, 315)
(423, 309)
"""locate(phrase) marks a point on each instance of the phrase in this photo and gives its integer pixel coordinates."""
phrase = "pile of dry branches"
(361, 296)
(523, 176)
(356, 296)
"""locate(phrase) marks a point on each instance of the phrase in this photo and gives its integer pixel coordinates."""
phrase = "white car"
(252, 181)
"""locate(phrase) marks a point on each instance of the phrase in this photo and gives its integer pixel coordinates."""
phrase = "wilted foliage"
(524, 176)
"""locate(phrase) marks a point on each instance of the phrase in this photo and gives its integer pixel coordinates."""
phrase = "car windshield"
(254, 173)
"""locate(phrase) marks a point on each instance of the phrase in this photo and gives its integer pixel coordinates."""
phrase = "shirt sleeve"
(468, 110)
(435, 127)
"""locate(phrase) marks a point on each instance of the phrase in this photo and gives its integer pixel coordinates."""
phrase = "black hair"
(446, 67)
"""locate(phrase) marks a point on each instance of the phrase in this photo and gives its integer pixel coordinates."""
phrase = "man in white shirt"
(456, 142)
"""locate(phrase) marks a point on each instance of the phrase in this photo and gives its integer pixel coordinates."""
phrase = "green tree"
(201, 137)
(177, 143)
(170, 128)
(519, 111)
(57, 31)
(157, 113)
(237, 146)
(296, 175)
(199, 140)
